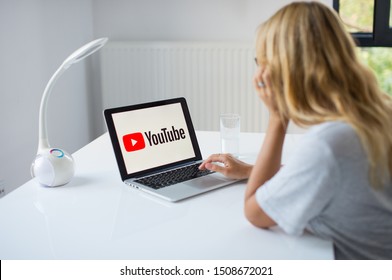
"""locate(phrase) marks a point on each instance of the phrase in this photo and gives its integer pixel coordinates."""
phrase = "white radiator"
(215, 78)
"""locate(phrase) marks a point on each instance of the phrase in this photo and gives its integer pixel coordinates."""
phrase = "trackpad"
(206, 182)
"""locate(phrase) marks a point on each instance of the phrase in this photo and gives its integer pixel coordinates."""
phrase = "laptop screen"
(151, 135)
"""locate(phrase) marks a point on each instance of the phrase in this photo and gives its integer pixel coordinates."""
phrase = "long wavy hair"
(317, 77)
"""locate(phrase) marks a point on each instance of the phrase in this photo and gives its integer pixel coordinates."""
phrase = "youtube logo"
(134, 142)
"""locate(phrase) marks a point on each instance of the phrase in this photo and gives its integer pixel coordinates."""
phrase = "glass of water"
(230, 133)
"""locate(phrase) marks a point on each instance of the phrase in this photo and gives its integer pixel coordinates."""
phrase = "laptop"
(157, 151)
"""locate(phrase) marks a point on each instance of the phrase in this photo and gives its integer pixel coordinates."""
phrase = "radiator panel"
(215, 78)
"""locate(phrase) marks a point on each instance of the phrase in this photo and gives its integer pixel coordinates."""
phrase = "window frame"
(382, 32)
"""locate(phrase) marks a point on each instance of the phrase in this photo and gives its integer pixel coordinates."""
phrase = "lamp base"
(53, 167)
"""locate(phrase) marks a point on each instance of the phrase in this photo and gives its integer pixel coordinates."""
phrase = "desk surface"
(96, 216)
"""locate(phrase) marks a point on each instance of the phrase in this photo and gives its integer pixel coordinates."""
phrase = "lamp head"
(84, 51)
(55, 167)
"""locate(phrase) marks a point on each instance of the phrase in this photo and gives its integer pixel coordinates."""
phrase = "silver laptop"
(157, 151)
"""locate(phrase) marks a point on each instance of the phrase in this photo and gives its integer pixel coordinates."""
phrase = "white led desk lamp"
(52, 166)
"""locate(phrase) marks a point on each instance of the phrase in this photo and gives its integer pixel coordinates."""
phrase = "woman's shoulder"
(330, 127)
(338, 136)
(332, 130)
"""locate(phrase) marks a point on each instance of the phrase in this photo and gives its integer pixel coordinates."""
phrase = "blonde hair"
(317, 77)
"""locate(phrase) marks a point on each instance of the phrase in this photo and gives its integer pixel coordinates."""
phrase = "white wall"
(181, 19)
(195, 20)
(36, 36)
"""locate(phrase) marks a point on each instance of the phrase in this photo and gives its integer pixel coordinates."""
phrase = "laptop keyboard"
(172, 177)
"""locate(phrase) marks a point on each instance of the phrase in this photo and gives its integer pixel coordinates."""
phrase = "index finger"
(266, 77)
(211, 158)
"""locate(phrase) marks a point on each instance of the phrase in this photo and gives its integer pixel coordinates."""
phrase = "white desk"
(96, 216)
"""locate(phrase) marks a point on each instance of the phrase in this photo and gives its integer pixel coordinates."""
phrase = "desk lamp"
(53, 166)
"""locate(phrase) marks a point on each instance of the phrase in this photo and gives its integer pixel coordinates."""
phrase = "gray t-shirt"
(324, 188)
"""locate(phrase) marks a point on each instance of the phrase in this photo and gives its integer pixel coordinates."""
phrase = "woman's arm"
(269, 160)
(267, 165)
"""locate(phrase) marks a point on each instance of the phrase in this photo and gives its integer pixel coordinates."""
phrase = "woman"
(337, 184)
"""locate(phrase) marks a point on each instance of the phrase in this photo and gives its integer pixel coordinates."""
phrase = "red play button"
(134, 142)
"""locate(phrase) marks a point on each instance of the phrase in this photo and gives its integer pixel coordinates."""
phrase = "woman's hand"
(228, 165)
(262, 84)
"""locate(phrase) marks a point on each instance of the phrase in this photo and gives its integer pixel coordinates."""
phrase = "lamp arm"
(43, 142)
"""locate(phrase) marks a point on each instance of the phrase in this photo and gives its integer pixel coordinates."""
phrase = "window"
(370, 23)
